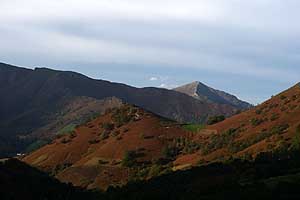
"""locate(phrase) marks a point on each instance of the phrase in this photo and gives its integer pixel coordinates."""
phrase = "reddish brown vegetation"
(93, 158)
(151, 146)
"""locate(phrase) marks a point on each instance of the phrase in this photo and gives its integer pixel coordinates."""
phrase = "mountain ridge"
(201, 91)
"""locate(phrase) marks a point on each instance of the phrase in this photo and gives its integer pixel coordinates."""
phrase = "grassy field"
(193, 127)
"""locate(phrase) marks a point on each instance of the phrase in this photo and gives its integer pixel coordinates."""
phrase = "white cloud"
(168, 86)
(153, 79)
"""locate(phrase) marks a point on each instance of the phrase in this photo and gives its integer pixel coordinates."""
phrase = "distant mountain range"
(205, 93)
(43, 101)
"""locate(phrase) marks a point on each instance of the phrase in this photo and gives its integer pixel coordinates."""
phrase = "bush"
(170, 152)
(274, 117)
(104, 135)
(94, 141)
(102, 162)
(241, 145)
(220, 141)
(116, 133)
(296, 140)
(280, 129)
(155, 170)
(282, 97)
(256, 121)
(65, 141)
(259, 111)
(215, 119)
(123, 115)
(108, 126)
(60, 167)
(129, 159)
(125, 130)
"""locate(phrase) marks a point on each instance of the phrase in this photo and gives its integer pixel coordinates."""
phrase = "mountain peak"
(205, 93)
(194, 83)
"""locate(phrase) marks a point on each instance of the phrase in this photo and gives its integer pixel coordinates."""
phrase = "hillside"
(124, 144)
(269, 176)
(130, 144)
(31, 100)
(20, 181)
(203, 92)
(272, 126)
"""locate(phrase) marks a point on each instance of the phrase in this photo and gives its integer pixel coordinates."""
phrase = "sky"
(250, 48)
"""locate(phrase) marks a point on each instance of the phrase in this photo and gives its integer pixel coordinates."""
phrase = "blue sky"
(250, 48)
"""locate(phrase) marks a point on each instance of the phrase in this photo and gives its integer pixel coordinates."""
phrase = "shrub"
(94, 141)
(241, 145)
(259, 111)
(108, 126)
(65, 140)
(220, 141)
(102, 162)
(282, 97)
(274, 117)
(116, 133)
(104, 135)
(170, 152)
(294, 97)
(296, 139)
(292, 107)
(72, 135)
(60, 167)
(155, 170)
(256, 121)
(280, 129)
(247, 156)
(129, 159)
(215, 119)
(201, 162)
(190, 147)
(125, 130)
(123, 115)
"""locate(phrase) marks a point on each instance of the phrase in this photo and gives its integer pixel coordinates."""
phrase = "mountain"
(113, 149)
(45, 101)
(203, 92)
(130, 144)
